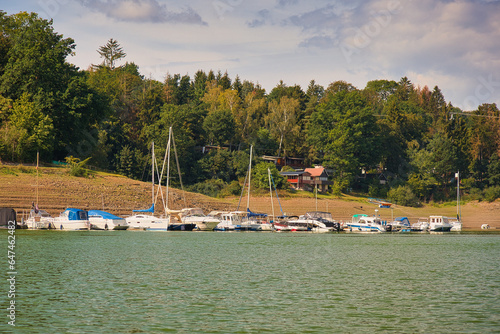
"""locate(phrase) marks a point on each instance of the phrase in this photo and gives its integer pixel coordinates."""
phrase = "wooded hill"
(111, 114)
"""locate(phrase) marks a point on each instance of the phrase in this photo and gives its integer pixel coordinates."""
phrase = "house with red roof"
(308, 179)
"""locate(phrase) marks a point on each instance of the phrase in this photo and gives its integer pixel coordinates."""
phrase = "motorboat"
(326, 218)
(307, 224)
(439, 224)
(422, 225)
(229, 221)
(39, 220)
(400, 224)
(72, 219)
(144, 221)
(102, 220)
(456, 225)
(365, 223)
(196, 216)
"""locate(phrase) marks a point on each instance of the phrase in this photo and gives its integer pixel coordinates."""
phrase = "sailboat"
(254, 221)
(38, 219)
(145, 219)
(175, 216)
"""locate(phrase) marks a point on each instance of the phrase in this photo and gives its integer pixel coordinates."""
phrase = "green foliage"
(260, 176)
(211, 187)
(491, 193)
(403, 195)
(111, 52)
(77, 167)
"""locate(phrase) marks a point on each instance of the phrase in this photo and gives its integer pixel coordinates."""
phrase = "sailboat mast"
(249, 177)
(168, 161)
(458, 195)
(37, 161)
(270, 190)
(152, 172)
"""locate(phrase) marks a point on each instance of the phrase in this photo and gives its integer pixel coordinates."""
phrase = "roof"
(103, 214)
(315, 171)
(292, 173)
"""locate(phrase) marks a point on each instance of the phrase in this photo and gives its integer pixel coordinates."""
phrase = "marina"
(152, 282)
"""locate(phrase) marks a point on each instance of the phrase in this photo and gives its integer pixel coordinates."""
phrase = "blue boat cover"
(76, 214)
(103, 214)
(151, 209)
(255, 214)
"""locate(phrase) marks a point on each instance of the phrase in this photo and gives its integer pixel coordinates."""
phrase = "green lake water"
(208, 282)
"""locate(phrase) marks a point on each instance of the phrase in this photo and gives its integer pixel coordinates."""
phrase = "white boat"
(196, 216)
(72, 220)
(365, 223)
(102, 220)
(145, 219)
(39, 220)
(422, 225)
(307, 224)
(439, 224)
(456, 225)
(254, 221)
(400, 224)
(229, 221)
(326, 218)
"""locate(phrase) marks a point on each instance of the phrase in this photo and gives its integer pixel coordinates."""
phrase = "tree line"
(111, 114)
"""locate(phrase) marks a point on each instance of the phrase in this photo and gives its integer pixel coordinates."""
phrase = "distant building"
(284, 161)
(308, 179)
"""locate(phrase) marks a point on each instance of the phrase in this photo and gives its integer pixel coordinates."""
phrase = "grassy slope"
(119, 195)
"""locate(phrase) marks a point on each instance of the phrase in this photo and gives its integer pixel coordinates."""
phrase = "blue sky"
(451, 44)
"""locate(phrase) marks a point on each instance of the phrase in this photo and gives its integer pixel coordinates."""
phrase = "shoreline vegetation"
(119, 195)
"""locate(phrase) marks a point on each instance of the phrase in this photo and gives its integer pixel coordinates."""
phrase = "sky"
(454, 45)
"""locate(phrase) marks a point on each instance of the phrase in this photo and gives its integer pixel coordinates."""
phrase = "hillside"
(120, 195)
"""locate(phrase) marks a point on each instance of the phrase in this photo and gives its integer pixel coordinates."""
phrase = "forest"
(109, 114)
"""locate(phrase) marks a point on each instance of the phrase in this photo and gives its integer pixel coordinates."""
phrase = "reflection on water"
(148, 282)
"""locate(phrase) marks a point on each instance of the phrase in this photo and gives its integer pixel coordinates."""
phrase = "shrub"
(403, 195)
(492, 193)
(77, 167)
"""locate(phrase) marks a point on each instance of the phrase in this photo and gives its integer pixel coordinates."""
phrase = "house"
(308, 179)
(318, 177)
(284, 161)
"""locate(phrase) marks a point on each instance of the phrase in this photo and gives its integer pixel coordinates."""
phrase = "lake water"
(208, 282)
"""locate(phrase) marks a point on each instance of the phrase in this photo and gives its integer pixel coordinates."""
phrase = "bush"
(403, 195)
(492, 193)
(475, 194)
(210, 187)
(77, 167)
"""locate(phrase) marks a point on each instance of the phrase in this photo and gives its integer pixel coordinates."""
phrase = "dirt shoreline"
(120, 195)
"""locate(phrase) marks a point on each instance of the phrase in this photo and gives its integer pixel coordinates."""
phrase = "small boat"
(422, 225)
(400, 224)
(195, 215)
(102, 220)
(39, 220)
(255, 221)
(326, 218)
(456, 225)
(72, 220)
(307, 224)
(145, 220)
(365, 223)
(230, 221)
(439, 224)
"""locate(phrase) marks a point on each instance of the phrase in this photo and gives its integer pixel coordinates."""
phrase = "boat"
(229, 221)
(39, 219)
(399, 224)
(456, 224)
(326, 218)
(72, 219)
(307, 224)
(439, 224)
(102, 220)
(422, 225)
(255, 221)
(144, 219)
(365, 223)
(195, 215)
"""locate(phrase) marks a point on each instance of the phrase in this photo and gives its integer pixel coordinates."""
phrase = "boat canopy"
(76, 214)
(103, 214)
(255, 214)
(151, 209)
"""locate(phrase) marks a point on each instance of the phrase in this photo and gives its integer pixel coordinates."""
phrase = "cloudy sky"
(452, 44)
